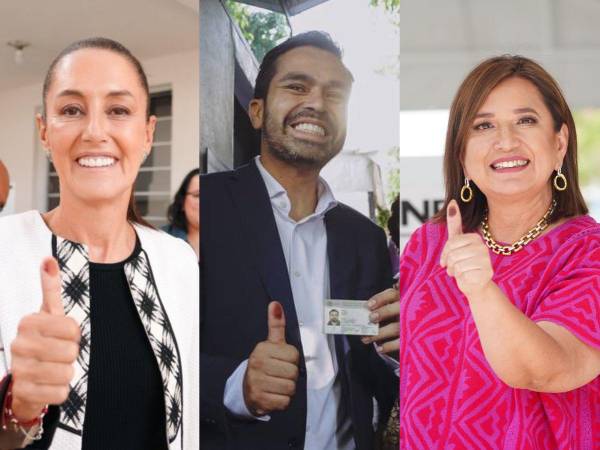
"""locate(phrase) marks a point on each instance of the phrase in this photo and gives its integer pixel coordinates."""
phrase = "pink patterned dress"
(450, 398)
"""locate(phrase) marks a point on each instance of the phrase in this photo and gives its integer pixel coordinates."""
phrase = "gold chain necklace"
(518, 245)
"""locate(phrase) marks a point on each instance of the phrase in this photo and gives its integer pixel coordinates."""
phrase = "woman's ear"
(562, 141)
(40, 122)
(149, 138)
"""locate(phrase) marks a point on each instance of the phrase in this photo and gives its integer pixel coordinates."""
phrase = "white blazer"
(165, 274)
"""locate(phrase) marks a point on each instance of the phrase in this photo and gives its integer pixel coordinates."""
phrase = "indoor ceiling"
(441, 40)
(149, 28)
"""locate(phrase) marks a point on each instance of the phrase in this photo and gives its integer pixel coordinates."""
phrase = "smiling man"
(275, 244)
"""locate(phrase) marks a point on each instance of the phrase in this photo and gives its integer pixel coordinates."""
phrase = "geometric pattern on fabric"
(450, 397)
(160, 334)
(75, 284)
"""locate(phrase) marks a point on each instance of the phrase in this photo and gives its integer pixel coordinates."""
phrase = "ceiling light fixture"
(18, 46)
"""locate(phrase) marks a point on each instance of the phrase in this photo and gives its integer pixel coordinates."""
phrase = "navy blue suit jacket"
(243, 268)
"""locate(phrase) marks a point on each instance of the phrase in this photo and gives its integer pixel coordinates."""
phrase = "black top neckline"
(120, 264)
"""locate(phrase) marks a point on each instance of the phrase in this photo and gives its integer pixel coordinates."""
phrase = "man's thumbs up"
(276, 320)
(51, 299)
(272, 370)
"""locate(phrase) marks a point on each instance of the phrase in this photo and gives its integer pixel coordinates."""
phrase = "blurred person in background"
(387, 436)
(393, 226)
(184, 213)
(4, 185)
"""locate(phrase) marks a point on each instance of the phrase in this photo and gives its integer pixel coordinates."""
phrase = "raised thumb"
(51, 299)
(453, 219)
(276, 323)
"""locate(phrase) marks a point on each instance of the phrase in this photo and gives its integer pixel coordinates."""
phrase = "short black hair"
(266, 72)
(175, 213)
(100, 43)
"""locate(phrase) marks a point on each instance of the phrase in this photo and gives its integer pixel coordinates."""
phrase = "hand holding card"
(385, 310)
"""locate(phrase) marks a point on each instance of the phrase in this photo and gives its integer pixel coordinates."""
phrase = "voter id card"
(348, 317)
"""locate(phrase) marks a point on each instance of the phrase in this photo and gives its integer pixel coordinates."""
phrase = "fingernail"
(374, 317)
(371, 303)
(277, 311)
(452, 211)
(47, 267)
(379, 349)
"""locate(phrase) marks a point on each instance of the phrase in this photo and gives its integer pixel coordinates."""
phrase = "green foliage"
(382, 215)
(587, 122)
(262, 30)
(392, 6)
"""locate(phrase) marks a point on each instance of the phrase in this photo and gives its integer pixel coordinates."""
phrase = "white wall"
(18, 139)
(181, 73)
(421, 191)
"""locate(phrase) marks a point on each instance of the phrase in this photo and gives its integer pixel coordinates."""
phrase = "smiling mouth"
(510, 164)
(310, 128)
(96, 161)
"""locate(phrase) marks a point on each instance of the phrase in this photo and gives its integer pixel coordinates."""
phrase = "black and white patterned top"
(73, 261)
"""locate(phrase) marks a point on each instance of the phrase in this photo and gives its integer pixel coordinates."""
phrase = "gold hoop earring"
(466, 193)
(563, 181)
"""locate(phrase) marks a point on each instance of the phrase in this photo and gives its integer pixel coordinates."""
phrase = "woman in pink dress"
(500, 293)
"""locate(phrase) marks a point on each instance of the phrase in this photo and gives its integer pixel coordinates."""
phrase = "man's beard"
(294, 151)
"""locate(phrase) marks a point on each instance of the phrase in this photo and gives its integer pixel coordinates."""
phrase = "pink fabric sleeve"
(572, 297)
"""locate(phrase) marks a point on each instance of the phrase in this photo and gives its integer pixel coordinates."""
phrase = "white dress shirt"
(305, 248)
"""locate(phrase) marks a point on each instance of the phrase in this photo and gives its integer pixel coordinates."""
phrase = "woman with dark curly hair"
(184, 212)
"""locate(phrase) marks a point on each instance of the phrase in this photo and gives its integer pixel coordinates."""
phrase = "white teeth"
(310, 128)
(97, 161)
(508, 164)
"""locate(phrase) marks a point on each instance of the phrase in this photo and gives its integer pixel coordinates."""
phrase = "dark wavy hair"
(101, 43)
(175, 213)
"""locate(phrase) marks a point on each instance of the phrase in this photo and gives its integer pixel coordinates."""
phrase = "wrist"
(26, 414)
(485, 291)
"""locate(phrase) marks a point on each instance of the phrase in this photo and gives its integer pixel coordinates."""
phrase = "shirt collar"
(280, 199)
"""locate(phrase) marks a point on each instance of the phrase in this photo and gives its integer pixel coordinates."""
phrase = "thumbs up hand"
(43, 353)
(270, 378)
(465, 256)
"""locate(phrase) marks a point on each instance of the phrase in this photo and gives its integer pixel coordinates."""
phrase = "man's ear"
(256, 112)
